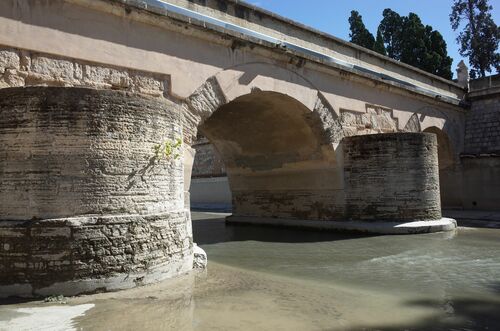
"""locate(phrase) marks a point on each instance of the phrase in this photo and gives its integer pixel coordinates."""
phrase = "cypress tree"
(359, 33)
(379, 46)
(439, 53)
(391, 28)
(408, 40)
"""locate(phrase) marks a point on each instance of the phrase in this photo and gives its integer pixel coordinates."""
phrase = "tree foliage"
(439, 63)
(391, 28)
(424, 48)
(406, 39)
(359, 33)
(379, 45)
(480, 36)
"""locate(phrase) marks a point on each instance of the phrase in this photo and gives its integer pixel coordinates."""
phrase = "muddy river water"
(264, 278)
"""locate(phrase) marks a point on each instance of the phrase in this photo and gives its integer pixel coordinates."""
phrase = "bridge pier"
(391, 187)
(85, 204)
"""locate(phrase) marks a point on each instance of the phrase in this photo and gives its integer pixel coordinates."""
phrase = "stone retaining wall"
(482, 126)
(481, 183)
(479, 176)
(207, 162)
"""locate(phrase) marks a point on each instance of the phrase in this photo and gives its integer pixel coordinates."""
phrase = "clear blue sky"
(331, 15)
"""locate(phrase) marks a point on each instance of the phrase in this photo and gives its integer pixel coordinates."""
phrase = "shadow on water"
(455, 314)
(215, 230)
(496, 289)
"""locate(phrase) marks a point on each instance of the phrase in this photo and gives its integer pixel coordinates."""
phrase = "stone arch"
(238, 81)
(279, 123)
(277, 138)
(451, 126)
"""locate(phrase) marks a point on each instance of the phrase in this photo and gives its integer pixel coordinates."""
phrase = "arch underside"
(279, 160)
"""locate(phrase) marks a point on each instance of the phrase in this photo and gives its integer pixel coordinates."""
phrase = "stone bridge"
(312, 130)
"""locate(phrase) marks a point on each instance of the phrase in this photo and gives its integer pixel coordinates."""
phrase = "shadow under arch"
(279, 154)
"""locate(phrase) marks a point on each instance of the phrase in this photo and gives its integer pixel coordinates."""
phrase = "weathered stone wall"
(481, 183)
(303, 204)
(26, 68)
(86, 205)
(478, 178)
(207, 162)
(211, 193)
(73, 151)
(375, 120)
(209, 187)
(482, 126)
(92, 253)
(392, 177)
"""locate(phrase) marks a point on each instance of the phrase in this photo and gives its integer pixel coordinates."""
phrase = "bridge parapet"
(141, 34)
(251, 22)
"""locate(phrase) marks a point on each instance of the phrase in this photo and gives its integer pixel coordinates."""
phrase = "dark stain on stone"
(237, 44)
(222, 5)
(240, 11)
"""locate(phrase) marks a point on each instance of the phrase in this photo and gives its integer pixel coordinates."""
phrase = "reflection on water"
(263, 278)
